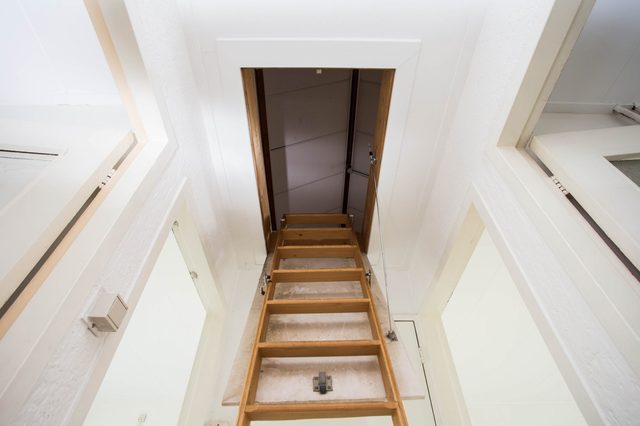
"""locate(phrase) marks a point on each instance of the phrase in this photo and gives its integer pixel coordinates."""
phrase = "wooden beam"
(260, 157)
(351, 134)
(316, 275)
(317, 306)
(320, 410)
(319, 348)
(384, 102)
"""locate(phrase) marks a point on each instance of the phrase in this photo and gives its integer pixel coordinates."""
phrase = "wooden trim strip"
(319, 348)
(261, 162)
(317, 306)
(320, 410)
(379, 134)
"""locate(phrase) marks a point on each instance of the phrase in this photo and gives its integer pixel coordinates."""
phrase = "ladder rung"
(296, 411)
(316, 275)
(319, 348)
(316, 234)
(318, 306)
(317, 219)
(315, 251)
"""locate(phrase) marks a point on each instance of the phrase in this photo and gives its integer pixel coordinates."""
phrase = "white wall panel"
(506, 372)
(306, 114)
(281, 80)
(321, 196)
(299, 164)
(50, 55)
(367, 106)
(603, 65)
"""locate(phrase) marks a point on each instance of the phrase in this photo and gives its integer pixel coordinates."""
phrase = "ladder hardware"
(322, 383)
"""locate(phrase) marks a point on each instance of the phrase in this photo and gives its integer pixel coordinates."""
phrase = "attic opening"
(313, 134)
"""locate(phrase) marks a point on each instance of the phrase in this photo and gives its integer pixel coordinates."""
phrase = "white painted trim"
(604, 283)
(578, 108)
(197, 402)
(580, 160)
(222, 68)
(566, 20)
(446, 395)
(33, 220)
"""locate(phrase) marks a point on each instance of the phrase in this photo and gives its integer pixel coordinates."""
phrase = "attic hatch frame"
(253, 87)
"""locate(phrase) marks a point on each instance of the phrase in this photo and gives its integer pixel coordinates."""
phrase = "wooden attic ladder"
(338, 241)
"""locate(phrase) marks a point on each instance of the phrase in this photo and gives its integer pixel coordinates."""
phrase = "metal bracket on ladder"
(265, 282)
(322, 383)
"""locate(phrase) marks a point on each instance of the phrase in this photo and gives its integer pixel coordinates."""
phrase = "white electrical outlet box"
(107, 314)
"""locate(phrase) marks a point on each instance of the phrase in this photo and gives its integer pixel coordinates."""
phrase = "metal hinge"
(559, 185)
(421, 353)
(322, 383)
(107, 178)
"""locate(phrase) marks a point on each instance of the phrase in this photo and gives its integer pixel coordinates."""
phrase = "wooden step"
(317, 306)
(319, 348)
(317, 251)
(316, 275)
(317, 219)
(316, 411)
(316, 234)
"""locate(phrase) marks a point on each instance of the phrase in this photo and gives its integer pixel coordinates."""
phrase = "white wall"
(50, 55)
(152, 365)
(558, 122)
(506, 372)
(603, 66)
(307, 119)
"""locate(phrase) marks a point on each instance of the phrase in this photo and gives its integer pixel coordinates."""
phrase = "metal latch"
(322, 383)
(369, 274)
(265, 282)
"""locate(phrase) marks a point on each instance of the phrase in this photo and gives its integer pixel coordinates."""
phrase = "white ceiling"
(51, 55)
(604, 66)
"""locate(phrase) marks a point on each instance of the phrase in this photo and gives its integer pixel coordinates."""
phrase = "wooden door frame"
(379, 135)
(251, 81)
